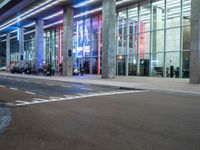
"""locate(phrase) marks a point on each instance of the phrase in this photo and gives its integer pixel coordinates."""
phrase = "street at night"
(99, 75)
(61, 115)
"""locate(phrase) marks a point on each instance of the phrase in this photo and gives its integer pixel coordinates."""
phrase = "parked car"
(3, 68)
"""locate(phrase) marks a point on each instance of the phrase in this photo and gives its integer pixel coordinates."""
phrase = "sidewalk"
(149, 83)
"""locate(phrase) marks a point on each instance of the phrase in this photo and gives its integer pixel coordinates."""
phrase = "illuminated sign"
(2, 4)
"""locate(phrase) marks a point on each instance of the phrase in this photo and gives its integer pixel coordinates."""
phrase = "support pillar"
(21, 46)
(39, 45)
(108, 34)
(60, 45)
(68, 41)
(99, 45)
(8, 52)
(195, 43)
(91, 46)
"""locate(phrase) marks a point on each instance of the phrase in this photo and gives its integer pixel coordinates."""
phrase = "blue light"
(18, 34)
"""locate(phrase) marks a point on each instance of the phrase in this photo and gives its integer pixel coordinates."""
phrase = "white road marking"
(15, 89)
(30, 93)
(81, 94)
(37, 82)
(66, 86)
(87, 89)
(39, 99)
(50, 84)
(68, 96)
(52, 97)
(2, 86)
(24, 103)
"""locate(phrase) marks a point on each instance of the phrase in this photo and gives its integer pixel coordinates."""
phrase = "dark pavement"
(146, 120)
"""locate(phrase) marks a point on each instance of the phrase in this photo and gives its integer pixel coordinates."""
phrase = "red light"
(99, 44)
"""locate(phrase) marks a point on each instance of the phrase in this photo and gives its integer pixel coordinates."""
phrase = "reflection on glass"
(186, 12)
(158, 41)
(157, 64)
(172, 64)
(186, 38)
(158, 14)
(173, 13)
(173, 39)
(145, 15)
(133, 30)
(121, 63)
(144, 64)
(132, 65)
(122, 33)
(186, 64)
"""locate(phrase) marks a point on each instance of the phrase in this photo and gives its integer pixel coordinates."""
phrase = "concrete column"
(108, 44)
(8, 52)
(195, 43)
(21, 46)
(39, 44)
(91, 45)
(68, 41)
(127, 44)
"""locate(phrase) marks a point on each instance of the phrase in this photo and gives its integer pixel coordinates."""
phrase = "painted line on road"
(66, 96)
(37, 82)
(30, 93)
(2, 86)
(39, 100)
(87, 89)
(50, 84)
(24, 103)
(81, 94)
(66, 86)
(15, 89)
(52, 97)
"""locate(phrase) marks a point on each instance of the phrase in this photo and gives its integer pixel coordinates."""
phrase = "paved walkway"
(150, 83)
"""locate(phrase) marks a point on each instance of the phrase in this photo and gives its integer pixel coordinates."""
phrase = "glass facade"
(52, 47)
(153, 39)
(87, 44)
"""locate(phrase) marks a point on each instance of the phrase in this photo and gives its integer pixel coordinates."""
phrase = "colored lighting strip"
(60, 45)
(88, 12)
(29, 13)
(28, 32)
(53, 15)
(58, 13)
(84, 3)
(99, 44)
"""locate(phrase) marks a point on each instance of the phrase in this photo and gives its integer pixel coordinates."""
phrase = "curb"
(93, 84)
(100, 85)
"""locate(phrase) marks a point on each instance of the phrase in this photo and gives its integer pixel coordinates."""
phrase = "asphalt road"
(65, 116)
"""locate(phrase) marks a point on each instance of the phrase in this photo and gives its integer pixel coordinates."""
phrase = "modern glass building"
(152, 38)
